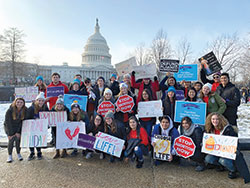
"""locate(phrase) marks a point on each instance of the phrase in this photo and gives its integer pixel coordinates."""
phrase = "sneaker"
(199, 168)
(19, 156)
(157, 162)
(139, 164)
(9, 160)
(64, 153)
(232, 175)
(89, 155)
(74, 153)
(39, 156)
(57, 155)
(112, 159)
(31, 157)
(102, 156)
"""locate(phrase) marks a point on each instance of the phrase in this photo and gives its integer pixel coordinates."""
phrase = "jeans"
(148, 126)
(32, 151)
(139, 151)
(11, 145)
(228, 163)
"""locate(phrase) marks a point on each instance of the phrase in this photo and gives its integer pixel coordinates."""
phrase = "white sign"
(53, 117)
(34, 133)
(218, 145)
(67, 134)
(109, 144)
(150, 109)
(145, 71)
(126, 66)
(27, 93)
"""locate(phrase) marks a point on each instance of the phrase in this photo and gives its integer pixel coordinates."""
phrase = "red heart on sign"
(68, 133)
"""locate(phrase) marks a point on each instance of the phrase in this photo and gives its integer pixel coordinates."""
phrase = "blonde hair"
(209, 126)
(14, 113)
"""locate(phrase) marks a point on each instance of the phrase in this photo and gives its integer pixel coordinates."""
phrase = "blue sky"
(57, 30)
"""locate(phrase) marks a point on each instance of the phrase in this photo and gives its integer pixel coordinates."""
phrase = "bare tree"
(12, 48)
(141, 54)
(227, 49)
(183, 50)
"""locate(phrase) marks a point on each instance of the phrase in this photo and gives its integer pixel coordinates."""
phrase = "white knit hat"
(40, 96)
(123, 85)
(107, 90)
(60, 100)
(208, 85)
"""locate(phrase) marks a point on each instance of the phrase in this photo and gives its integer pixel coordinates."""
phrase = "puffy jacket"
(215, 104)
(120, 131)
(31, 111)
(115, 88)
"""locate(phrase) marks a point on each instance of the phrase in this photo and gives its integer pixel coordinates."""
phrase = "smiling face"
(215, 121)
(107, 96)
(197, 87)
(146, 81)
(185, 125)
(165, 124)
(171, 81)
(124, 90)
(191, 93)
(216, 78)
(132, 124)
(40, 102)
(108, 120)
(39, 82)
(19, 104)
(59, 107)
(100, 82)
(145, 95)
(224, 80)
(75, 87)
(97, 121)
(55, 79)
(205, 90)
(170, 94)
(75, 110)
(187, 84)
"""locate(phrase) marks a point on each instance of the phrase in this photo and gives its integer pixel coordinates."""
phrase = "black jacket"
(231, 95)
(204, 78)
(65, 109)
(114, 87)
(92, 129)
(31, 111)
(120, 131)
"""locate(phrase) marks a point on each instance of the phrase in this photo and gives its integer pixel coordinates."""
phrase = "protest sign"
(34, 133)
(104, 107)
(125, 103)
(187, 73)
(80, 99)
(184, 146)
(126, 66)
(218, 145)
(179, 94)
(145, 71)
(86, 141)
(195, 110)
(169, 65)
(210, 63)
(67, 134)
(109, 144)
(162, 147)
(53, 117)
(150, 109)
(55, 91)
(27, 93)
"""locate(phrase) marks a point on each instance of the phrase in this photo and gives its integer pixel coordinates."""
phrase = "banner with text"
(55, 91)
(125, 103)
(27, 93)
(169, 65)
(210, 63)
(150, 109)
(86, 141)
(104, 107)
(145, 71)
(54, 117)
(187, 73)
(162, 147)
(126, 66)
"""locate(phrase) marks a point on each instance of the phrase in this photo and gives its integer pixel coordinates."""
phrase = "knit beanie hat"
(60, 100)
(76, 81)
(75, 105)
(123, 85)
(100, 77)
(40, 96)
(218, 73)
(107, 90)
(39, 78)
(109, 114)
(171, 88)
(208, 85)
(113, 75)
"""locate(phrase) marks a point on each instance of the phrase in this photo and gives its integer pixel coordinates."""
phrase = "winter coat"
(92, 102)
(205, 80)
(114, 87)
(98, 94)
(93, 129)
(84, 118)
(169, 108)
(65, 109)
(120, 131)
(31, 111)
(12, 126)
(231, 95)
(52, 100)
(215, 104)
(143, 136)
(78, 92)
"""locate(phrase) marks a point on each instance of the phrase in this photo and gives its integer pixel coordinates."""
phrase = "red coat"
(153, 85)
(52, 100)
(143, 135)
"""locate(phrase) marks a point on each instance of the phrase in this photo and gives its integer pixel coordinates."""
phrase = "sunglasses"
(216, 77)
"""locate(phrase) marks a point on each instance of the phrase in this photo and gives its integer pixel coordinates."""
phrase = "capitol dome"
(96, 51)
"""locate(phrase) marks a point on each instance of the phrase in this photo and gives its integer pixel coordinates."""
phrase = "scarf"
(189, 131)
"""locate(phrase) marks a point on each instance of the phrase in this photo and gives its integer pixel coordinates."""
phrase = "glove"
(133, 73)
(155, 78)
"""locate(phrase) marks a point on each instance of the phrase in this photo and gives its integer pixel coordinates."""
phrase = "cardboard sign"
(67, 134)
(145, 71)
(179, 94)
(104, 107)
(109, 144)
(195, 110)
(218, 145)
(55, 91)
(80, 99)
(184, 146)
(86, 141)
(54, 117)
(27, 93)
(169, 65)
(34, 133)
(210, 63)
(125, 103)
(150, 109)
(187, 73)
(162, 148)
(126, 66)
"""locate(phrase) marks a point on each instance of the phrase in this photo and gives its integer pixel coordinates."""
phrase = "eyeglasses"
(98, 119)
(216, 77)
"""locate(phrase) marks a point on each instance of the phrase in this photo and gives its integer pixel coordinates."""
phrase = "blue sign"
(179, 94)
(195, 110)
(187, 73)
(80, 99)
(55, 91)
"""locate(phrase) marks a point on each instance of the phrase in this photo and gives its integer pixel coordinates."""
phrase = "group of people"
(220, 95)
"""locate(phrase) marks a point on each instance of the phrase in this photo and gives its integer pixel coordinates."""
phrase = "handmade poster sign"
(34, 133)
(162, 148)
(187, 73)
(195, 110)
(55, 91)
(169, 65)
(184, 146)
(179, 94)
(125, 103)
(54, 117)
(150, 109)
(86, 141)
(104, 107)
(126, 66)
(27, 93)
(210, 63)
(67, 134)
(221, 146)
(109, 144)
(80, 99)
(145, 71)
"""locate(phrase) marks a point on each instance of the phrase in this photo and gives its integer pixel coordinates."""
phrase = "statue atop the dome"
(97, 28)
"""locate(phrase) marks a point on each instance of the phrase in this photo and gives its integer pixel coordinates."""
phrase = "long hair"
(75, 117)
(149, 95)
(209, 94)
(93, 120)
(14, 113)
(63, 108)
(138, 126)
(195, 97)
(209, 126)
(113, 126)
(42, 87)
(187, 119)
(37, 109)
